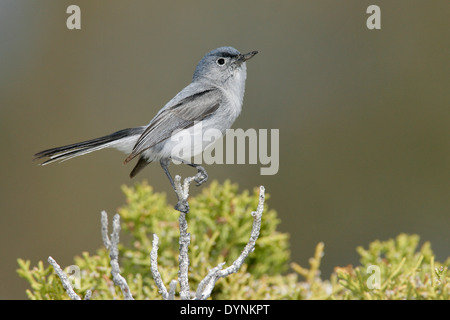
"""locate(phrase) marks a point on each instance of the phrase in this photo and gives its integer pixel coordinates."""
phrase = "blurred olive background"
(364, 116)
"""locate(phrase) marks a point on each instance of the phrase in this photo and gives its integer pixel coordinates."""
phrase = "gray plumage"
(212, 100)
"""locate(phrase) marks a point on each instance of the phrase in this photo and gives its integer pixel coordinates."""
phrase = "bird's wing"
(179, 115)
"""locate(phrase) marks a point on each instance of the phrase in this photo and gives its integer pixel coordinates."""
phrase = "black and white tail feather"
(124, 140)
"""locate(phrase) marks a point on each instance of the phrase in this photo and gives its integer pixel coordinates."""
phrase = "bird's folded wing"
(181, 115)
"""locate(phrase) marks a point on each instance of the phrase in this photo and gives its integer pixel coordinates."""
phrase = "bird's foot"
(201, 176)
(182, 206)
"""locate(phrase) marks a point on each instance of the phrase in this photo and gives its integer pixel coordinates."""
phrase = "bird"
(213, 100)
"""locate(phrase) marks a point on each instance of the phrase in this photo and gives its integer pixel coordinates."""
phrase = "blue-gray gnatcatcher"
(213, 100)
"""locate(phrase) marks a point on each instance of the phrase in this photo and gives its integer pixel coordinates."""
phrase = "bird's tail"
(123, 140)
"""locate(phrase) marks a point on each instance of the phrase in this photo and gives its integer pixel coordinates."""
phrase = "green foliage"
(220, 223)
(404, 272)
(45, 285)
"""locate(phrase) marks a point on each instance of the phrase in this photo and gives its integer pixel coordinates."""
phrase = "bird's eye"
(220, 61)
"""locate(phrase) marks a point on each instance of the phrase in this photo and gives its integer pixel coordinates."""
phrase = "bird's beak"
(248, 56)
(244, 57)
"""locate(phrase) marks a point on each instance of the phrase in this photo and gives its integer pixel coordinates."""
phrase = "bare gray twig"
(154, 268)
(185, 240)
(64, 279)
(172, 288)
(205, 286)
(256, 227)
(182, 192)
(104, 223)
(112, 246)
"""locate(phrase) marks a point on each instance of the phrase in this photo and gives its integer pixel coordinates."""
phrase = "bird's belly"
(187, 143)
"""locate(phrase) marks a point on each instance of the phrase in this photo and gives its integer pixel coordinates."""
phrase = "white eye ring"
(220, 61)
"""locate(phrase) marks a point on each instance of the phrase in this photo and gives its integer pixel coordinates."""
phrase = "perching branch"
(205, 286)
(185, 240)
(182, 192)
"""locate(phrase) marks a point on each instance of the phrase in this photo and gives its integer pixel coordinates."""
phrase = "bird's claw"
(182, 206)
(201, 176)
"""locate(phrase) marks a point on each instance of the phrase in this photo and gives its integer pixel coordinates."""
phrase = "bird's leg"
(182, 205)
(201, 176)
